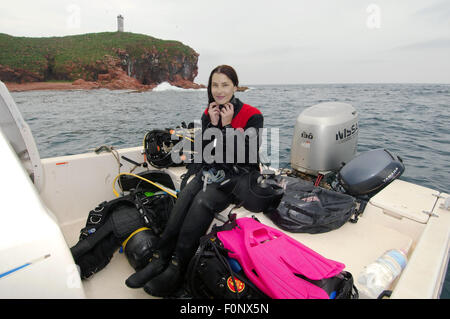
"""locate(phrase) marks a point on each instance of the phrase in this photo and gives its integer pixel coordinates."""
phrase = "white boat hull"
(39, 222)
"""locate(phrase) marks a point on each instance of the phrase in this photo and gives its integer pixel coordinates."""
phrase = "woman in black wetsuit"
(201, 198)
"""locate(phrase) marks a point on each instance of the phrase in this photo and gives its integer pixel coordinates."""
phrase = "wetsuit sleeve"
(256, 121)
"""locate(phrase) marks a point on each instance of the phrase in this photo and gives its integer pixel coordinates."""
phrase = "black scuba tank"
(139, 247)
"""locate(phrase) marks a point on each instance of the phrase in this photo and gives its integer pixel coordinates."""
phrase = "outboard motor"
(324, 143)
(325, 136)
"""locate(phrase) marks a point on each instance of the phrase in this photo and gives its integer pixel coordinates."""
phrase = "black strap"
(100, 214)
(87, 244)
(154, 210)
(357, 211)
(140, 207)
(385, 293)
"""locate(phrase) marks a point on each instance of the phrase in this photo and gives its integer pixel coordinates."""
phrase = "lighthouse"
(119, 23)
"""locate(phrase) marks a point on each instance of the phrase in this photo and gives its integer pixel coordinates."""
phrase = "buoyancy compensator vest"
(103, 233)
(134, 221)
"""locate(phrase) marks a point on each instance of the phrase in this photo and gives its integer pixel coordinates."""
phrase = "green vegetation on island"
(85, 56)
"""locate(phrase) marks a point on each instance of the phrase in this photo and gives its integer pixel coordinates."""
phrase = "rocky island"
(113, 60)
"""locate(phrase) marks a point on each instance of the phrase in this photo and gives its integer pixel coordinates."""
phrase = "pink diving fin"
(271, 259)
(233, 240)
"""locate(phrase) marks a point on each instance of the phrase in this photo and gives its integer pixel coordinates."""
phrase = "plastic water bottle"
(379, 275)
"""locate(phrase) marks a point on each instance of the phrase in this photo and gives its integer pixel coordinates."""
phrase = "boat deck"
(355, 245)
(394, 218)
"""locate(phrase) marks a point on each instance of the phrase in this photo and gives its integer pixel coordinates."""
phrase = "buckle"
(98, 220)
(99, 209)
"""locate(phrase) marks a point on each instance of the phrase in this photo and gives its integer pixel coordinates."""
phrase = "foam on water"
(166, 86)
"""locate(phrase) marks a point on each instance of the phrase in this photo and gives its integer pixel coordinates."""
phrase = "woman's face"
(222, 88)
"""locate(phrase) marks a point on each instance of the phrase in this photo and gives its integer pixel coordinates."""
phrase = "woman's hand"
(214, 113)
(227, 113)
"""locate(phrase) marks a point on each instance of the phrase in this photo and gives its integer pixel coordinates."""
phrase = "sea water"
(410, 120)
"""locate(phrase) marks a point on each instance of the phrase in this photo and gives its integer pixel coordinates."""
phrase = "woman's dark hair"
(224, 69)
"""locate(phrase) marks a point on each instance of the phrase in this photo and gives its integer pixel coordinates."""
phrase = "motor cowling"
(325, 137)
(370, 172)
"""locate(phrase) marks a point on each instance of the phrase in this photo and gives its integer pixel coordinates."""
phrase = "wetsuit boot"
(156, 266)
(168, 282)
(196, 223)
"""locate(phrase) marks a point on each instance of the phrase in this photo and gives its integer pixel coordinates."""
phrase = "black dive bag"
(305, 208)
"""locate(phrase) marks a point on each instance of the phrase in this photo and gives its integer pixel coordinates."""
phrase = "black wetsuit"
(194, 209)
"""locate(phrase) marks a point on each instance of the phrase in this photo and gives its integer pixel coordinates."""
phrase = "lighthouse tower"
(119, 23)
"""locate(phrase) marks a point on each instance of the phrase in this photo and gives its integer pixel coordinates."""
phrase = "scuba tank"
(139, 246)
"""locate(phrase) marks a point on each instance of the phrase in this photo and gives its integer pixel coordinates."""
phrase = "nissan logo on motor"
(346, 133)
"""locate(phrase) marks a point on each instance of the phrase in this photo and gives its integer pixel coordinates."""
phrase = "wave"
(166, 86)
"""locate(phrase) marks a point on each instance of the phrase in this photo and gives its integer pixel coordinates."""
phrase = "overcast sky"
(269, 42)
